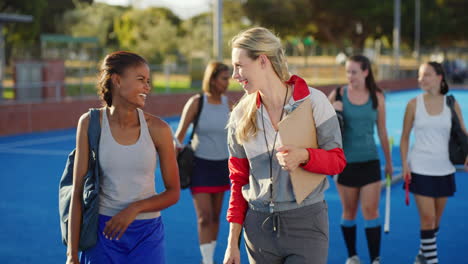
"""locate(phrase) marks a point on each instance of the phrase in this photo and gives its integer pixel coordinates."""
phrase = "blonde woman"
(210, 178)
(277, 228)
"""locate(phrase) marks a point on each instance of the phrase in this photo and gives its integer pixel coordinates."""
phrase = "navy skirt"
(210, 176)
(432, 186)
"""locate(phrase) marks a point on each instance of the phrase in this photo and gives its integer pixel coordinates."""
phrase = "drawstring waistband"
(276, 223)
(277, 215)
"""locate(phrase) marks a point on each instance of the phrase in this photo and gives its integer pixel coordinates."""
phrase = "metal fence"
(80, 78)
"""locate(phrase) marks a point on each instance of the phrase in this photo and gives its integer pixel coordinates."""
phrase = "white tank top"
(128, 170)
(429, 154)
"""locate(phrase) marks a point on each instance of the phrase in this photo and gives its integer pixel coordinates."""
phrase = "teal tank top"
(359, 122)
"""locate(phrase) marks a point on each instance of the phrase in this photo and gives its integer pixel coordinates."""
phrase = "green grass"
(8, 93)
(184, 87)
(174, 86)
(234, 86)
(75, 89)
(159, 87)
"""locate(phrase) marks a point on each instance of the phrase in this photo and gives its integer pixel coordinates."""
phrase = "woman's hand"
(232, 255)
(177, 146)
(119, 223)
(72, 259)
(406, 172)
(177, 150)
(389, 169)
(290, 157)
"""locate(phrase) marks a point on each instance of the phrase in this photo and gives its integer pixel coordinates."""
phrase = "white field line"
(34, 151)
(37, 141)
(14, 147)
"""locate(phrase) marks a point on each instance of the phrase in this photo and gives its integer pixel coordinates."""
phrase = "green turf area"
(159, 87)
(8, 93)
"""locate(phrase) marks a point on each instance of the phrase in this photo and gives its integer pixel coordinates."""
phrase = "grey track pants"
(298, 236)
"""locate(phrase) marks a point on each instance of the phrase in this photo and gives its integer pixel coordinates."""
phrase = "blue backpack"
(90, 202)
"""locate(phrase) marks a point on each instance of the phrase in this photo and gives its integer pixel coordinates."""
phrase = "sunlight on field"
(81, 76)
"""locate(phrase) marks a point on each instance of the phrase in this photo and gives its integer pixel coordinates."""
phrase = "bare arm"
(162, 137)
(460, 117)
(404, 142)
(232, 254)
(382, 131)
(79, 171)
(188, 115)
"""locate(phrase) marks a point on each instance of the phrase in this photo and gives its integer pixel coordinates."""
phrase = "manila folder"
(298, 129)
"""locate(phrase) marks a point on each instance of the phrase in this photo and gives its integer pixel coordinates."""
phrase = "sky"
(182, 8)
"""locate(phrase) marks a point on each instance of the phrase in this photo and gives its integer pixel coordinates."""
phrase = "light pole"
(2, 60)
(396, 38)
(417, 30)
(218, 30)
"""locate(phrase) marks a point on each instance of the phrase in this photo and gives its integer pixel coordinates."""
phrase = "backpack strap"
(451, 104)
(197, 117)
(451, 101)
(338, 96)
(94, 129)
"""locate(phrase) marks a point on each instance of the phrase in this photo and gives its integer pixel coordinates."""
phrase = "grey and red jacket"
(249, 164)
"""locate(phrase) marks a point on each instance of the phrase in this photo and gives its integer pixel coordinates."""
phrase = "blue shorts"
(142, 242)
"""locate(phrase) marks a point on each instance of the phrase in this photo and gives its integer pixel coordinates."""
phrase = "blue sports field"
(31, 166)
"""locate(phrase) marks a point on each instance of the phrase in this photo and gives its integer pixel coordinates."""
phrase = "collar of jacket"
(300, 90)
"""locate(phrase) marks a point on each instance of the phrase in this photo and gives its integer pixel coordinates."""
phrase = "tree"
(152, 32)
(94, 20)
(198, 31)
(52, 22)
(197, 36)
(443, 22)
(331, 22)
(47, 17)
(337, 22)
(234, 21)
(284, 17)
(22, 34)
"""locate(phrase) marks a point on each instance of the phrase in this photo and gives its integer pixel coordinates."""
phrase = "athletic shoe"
(376, 260)
(353, 260)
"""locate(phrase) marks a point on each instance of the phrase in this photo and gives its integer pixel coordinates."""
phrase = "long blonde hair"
(257, 41)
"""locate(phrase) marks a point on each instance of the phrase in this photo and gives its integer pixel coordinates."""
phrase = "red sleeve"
(329, 162)
(239, 175)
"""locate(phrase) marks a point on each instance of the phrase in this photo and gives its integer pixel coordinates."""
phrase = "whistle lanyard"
(270, 153)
